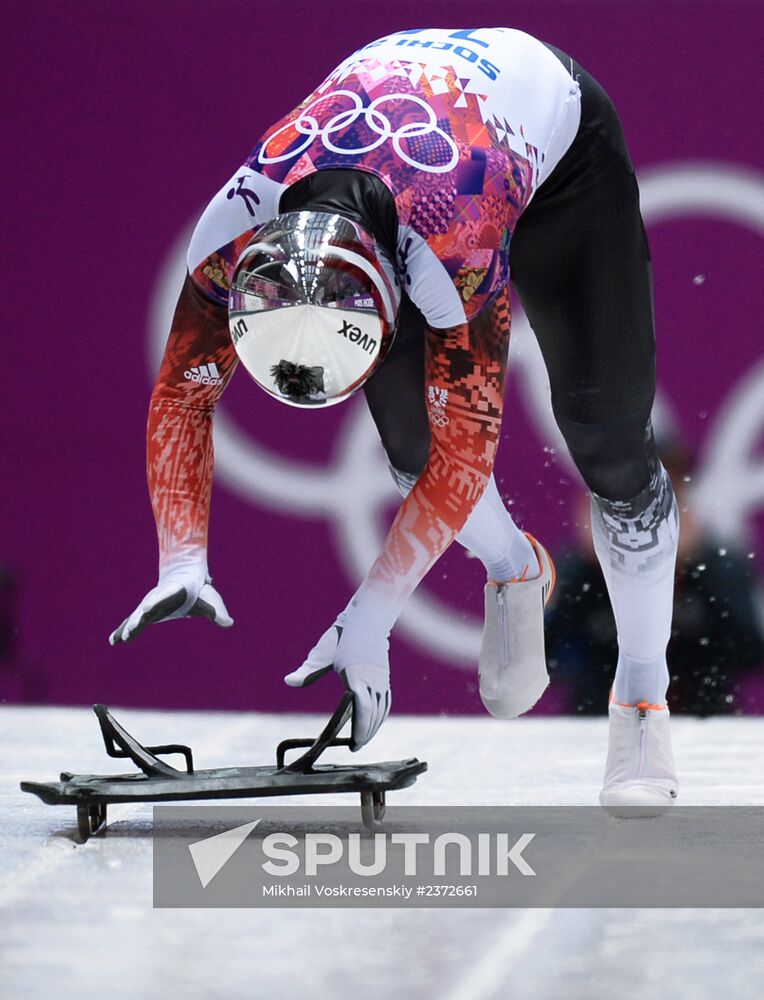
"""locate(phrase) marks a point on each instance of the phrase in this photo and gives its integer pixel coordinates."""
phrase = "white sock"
(641, 680)
(489, 533)
(636, 541)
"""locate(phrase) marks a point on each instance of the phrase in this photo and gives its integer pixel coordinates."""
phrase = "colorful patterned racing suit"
(461, 127)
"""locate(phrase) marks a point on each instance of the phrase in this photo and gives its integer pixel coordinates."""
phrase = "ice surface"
(76, 921)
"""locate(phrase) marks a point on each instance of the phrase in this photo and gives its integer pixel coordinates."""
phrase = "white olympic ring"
(374, 119)
(439, 418)
(355, 491)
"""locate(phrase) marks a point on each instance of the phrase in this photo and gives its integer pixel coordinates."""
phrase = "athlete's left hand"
(369, 683)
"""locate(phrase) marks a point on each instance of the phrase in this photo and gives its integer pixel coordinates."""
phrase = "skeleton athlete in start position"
(367, 242)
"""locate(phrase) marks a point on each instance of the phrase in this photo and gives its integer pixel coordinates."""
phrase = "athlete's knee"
(617, 459)
(404, 481)
(407, 454)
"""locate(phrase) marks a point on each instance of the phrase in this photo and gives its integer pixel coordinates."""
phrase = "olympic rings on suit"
(305, 124)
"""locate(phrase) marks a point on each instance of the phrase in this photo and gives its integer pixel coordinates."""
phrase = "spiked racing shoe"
(640, 769)
(512, 664)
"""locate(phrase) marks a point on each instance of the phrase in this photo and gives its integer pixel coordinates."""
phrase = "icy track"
(76, 921)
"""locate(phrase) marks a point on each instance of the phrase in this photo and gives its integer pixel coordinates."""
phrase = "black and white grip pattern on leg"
(642, 531)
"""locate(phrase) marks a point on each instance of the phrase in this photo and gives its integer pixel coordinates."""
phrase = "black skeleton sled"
(158, 781)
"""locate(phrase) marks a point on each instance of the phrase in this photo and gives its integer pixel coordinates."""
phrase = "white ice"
(76, 921)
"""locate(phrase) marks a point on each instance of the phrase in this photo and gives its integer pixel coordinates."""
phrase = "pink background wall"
(121, 120)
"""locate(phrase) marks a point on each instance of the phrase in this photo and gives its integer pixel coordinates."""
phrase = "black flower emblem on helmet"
(301, 383)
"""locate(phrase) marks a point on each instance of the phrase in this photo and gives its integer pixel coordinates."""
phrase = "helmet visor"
(311, 312)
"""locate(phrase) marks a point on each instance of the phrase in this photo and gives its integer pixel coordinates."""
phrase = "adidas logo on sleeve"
(204, 374)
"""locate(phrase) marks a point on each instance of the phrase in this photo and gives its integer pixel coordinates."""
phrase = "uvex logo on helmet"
(356, 336)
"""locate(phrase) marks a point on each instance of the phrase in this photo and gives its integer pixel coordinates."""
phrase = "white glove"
(184, 592)
(370, 683)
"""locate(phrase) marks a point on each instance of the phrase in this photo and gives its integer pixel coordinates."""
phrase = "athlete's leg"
(581, 266)
(396, 398)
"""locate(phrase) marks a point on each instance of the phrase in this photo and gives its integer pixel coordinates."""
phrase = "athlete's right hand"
(184, 594)
(369, 682)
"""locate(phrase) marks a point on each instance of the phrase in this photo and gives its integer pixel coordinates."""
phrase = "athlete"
(367, 242)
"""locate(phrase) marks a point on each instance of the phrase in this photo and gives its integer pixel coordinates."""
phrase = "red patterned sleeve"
(465, 376)
(198, 362)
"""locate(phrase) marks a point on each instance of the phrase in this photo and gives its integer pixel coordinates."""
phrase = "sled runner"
(160, 782)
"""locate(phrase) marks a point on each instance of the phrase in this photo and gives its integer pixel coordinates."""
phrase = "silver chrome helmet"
(312, 308)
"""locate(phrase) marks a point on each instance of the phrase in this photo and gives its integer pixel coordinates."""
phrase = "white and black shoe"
(640, 770)
(512, 663)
